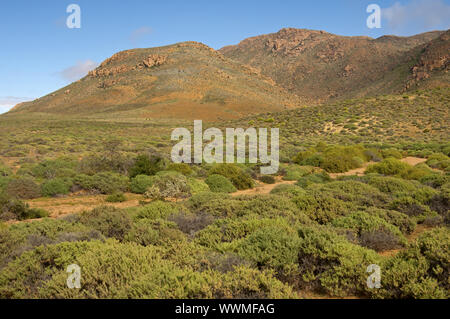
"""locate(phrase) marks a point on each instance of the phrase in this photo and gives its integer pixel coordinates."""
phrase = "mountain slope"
(185, 80)
(319, 66)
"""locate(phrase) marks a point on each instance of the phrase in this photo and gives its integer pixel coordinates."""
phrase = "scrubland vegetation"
(193, 235)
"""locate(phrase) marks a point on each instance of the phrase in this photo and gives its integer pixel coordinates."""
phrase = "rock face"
(154, 60)
(434, 59)
(317, 65)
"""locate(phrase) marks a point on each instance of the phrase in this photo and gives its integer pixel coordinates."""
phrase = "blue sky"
(39, 54)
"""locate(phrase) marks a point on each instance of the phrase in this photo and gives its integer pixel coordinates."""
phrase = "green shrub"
(57, 186)
(146, 165)
(116, 198)
(5, 171)
(182, 168)
(391, 152)
(320, 207)
(220, 184)
(157, 209)
(439, 161)
(372, 231)
(267, 179)
(23, 188)
(270, 247)
(216, 204)
(328, 262)
(389, 166)
(169, 186)
(57, 168)
(197, 186)
(141, 183)
(103, 182)
(114, 270)
(295, 172)
(316, 178)
(110, 221)
(287, 190)
(240, 179)
(421, 271)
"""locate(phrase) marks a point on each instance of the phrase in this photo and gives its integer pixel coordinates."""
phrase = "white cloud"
(79, 70)
(139, 33)
(418, 15)
(8, 102)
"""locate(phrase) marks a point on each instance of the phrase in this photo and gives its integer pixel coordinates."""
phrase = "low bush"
(295, 172)
(157, 209)
(169, 186)
(197, 186)
(267, 179)
(182, 168)
(329, 263)
(421, 271)
(57, 186)
(146, 165)
(141, 183)
(116, 198)
(220, 184)
(216, 204)
(110, 221)
(316, 178)
(240, 179)
(23, 188)
(287, 190)
(372, 231)
(104, 182)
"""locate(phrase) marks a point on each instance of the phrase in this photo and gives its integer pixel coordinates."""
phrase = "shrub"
(141, 183)
(190, 223)
(57, 186)
(316, 178)
(287, 190)
(146, 165)
(240, 179)
(157, 209)
(110, 221)
(182, 168)
(169, 186)
(116, 198)
(23, 188)
(267, 179)
(103, 182)
(330, 263)
(439, 161)
(373, 232)
(5, 171)
(216, 204)
(389, 166)
(321, 208)
(270, 247)
(220, 184)
(295, 172)
(421, 271)
(391, 152)
(197, 186)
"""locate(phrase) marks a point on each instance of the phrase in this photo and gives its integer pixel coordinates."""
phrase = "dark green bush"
(103, 182)
(57, 186)
(267, 179)
(146, 165)
(220, 184)
(110, 221)
(240, 179)
(182, 168)
(141, 183)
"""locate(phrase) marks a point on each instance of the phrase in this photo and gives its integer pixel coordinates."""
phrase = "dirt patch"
(357, 171)
(262, 188)
(413, 160)
(76, 204)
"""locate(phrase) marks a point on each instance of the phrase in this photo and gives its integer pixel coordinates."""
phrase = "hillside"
(319, 66)
(184, 80)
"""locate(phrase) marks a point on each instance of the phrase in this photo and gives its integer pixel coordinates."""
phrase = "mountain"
(320, 66)
(185, 80)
